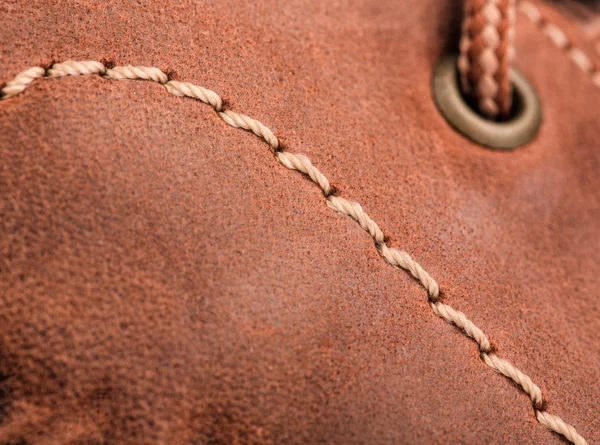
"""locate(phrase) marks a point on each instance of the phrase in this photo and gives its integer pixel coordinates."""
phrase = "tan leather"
(165, 281)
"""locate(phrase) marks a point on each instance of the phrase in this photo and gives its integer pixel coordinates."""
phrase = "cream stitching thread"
(561, 41)
(301, 163)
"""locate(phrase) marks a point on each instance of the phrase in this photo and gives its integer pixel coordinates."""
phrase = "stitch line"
(558, 37)
(354, 210)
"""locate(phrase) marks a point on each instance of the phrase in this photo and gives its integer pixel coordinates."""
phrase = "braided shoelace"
(486, 52)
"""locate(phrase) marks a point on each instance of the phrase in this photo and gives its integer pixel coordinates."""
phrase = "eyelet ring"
(520, 128)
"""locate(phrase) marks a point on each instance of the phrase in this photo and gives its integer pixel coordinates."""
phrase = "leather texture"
(164, 281)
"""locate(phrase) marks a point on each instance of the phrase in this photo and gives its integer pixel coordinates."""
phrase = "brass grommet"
(520, 128)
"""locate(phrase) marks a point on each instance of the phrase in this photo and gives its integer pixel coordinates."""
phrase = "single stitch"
(507, 369)
(402, 259)
(21, 81)
(247, 123)
(531, 12)
(302, 164)
(555, 423)
(556, 34)
(580, 59)
(137, 73)
(460, 320)
(354, 210)
(189, 89)
(72, 68)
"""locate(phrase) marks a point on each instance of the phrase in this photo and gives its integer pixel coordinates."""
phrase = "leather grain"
(164, 281)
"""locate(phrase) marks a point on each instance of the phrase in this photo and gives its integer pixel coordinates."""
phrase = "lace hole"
(519, 128)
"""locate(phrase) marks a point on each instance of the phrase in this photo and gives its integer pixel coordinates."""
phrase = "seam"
(354, 210)
(558, 37)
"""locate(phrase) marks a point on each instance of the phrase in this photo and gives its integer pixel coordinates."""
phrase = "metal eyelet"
(520, 128)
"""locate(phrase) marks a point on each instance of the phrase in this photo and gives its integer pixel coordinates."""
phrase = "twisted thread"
(354, 210)
(247, 123)
(134, 73)
(460, 320)
(21, 81)
(71, 68)
(403, 260)
(194, 91)
(507, 369)
(555, 423)
(302, 164)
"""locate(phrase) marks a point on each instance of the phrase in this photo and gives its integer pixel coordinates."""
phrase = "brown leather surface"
(586, 13)
(165, 281)
(582, 18)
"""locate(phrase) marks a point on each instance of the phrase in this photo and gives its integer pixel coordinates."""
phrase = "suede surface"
(163, 280)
